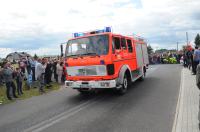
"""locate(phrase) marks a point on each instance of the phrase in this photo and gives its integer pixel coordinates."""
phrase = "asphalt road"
(148, 106)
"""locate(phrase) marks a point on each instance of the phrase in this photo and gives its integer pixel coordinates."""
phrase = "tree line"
(197, 40)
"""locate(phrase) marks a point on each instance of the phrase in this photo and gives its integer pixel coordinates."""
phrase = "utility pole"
(177, 46)
(187, 37)
(61, 49)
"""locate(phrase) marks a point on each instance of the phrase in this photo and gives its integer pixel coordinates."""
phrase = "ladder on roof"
(139, 38)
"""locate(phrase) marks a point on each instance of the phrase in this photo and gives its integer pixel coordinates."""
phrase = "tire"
(143, 75)
(125, 86)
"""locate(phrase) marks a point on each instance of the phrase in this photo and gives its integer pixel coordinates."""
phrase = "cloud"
(5, 51)
(36, 25)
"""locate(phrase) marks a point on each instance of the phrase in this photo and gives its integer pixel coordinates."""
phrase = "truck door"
(117, 53)
(124, 52)
(117, 48)
(131, 54)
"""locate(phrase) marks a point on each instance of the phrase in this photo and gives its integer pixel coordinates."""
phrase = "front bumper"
(90, 84)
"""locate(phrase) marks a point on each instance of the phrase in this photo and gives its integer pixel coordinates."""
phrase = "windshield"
(89, 45)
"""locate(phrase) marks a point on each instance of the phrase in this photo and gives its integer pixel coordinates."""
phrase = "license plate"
(84, 86)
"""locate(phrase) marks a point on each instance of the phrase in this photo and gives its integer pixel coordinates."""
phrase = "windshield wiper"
(91, 53)
(74, 55)
(79, 55)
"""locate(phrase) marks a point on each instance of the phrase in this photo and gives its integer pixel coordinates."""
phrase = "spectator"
(64, 74)
(19, 79)
(1, 76)
(196, 59)
(32, 67)
(48, 73)
(22, 65)
(179, 58)
(29, 80)
(8, 77)
(28, 64)
(185, 59)
(191, 53)
(55, 69)
(40, 70)
(37, 62)
(158, 59)
(59, 71)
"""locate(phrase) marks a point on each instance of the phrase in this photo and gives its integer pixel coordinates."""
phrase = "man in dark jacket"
(8, 78)
(48, 73)
(19, 80)
(54, 70)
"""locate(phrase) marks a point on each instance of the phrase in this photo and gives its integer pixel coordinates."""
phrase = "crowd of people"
(165, 58)
(191, 58)
(37, 73)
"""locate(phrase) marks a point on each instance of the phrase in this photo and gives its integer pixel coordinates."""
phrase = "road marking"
(47, 123)
(178, 103)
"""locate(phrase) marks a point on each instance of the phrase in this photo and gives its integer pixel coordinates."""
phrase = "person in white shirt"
(59, 71)
(40, 72)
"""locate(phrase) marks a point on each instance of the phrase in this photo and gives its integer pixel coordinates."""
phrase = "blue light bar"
(78, 34)
(99, 31)
(106, 29)
(75, 35)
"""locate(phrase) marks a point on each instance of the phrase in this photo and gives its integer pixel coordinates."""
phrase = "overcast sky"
(39, 26)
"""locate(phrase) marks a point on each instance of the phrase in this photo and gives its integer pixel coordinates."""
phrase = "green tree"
(161, 50)
(149, 49)
(35, 56)
(197, 40)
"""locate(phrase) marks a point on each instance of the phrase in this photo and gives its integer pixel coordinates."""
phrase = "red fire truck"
(101, 59)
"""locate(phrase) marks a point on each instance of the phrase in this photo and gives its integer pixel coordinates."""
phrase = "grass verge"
(28, 93)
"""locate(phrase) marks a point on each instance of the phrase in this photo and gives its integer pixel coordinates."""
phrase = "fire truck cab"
(101, 59)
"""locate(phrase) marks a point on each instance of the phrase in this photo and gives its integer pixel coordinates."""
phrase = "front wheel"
(124, 87)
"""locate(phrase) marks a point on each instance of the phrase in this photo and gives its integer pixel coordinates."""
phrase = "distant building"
(16, 56)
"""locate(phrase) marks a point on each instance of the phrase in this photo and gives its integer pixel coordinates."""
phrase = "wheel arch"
(125, 69)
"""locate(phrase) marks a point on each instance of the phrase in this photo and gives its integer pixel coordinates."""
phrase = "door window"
(123, 43)
(130, 47)
(117, 43)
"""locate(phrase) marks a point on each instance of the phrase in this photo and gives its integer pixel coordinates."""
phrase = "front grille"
(97, 70)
